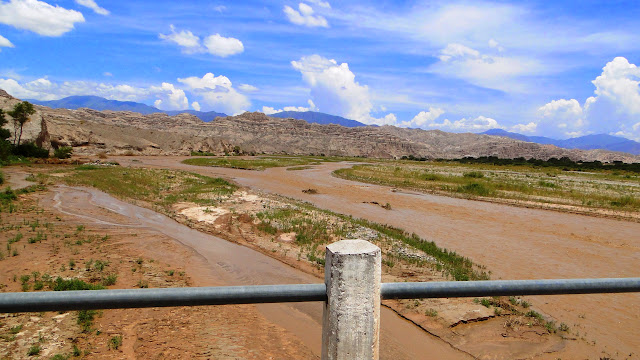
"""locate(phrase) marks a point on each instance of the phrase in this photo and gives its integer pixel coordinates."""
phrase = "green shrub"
(110, 280)
(74, 284)
(63, 152)
(85, 319)
(30, 150)
(8, 196)
(115, 342)
(34, 350)
(476, 189)
(473, 174)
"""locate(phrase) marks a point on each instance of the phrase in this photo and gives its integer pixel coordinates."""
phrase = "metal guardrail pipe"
(447, 289)
(142, 298)
(225, 295)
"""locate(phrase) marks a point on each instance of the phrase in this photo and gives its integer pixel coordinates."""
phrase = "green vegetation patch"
(315, 227)
(516, 182)
(259, 163)
(153, 185)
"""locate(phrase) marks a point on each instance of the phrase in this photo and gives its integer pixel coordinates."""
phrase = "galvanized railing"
(257, 294)
(352, 292)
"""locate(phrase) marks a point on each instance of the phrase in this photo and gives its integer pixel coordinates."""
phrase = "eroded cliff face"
(90, 132)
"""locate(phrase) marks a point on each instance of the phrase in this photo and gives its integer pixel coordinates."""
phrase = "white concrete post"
(351, 318)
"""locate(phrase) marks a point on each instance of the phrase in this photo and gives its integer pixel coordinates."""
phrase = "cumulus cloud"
(423, 118)
(214, 44)
(304, 16)
(171, 98)
(166, 96)
(39, 17)
(268, 110)
(4, 42)
(91, 4)
(195, 105)
(478, 124)
(223, 46)
(247, 88)
(529, 128)
(14, 88)
(185, 39)
(334, 89)
(217, 91)
(489, 71)
(614, 108)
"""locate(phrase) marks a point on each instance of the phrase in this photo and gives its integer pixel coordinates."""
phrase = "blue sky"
(558, 69)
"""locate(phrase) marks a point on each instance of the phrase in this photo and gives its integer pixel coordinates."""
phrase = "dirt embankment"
(55, 242)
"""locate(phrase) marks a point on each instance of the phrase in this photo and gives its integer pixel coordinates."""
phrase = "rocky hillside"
(90, 132)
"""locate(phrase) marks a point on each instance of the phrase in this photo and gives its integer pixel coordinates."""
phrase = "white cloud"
(478, 124)
(334, 89)
(423, 118)
(195, 105)
(39, 17)
(166, 96)
(614, 108)
(171, 97)
(214, 44)
(268, 110)
(495, 72)
(185, 39)
(4, 42)
(91, 4)
(217, 91)
(14, 88)
(495, 45)
(247, 88)
(39, 85)
(106, 73)
(304, 16)
(223, 46)
(529, 128)
(324, 4)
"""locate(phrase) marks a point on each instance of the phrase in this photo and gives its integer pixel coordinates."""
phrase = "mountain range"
(91, 132)
(101, 104)
(587, 142)
(318, 118)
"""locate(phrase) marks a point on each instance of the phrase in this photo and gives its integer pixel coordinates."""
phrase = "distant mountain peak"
(98, 103)
(587, 142)
(318, 118)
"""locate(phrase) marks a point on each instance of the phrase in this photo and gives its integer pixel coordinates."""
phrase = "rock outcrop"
(90, 132)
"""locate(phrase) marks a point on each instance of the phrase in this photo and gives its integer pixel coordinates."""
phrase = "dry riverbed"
(290, 231)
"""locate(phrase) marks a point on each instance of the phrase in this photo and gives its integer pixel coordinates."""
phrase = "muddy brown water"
(513, 242)
(227, 263)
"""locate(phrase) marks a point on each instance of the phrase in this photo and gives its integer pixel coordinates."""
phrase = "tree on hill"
(5, 146)
(4, 133)
(20, 114)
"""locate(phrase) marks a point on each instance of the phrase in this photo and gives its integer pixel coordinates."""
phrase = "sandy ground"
(16, 180)
(514, 243)
(269, 331)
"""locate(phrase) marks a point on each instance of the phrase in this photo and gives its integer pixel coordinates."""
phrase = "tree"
(20, 115)
(4, 133)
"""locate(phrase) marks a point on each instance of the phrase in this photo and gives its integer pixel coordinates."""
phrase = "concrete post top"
(355, 246)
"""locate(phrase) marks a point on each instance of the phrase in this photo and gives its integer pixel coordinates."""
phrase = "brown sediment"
(213, 261)
(513, 242)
